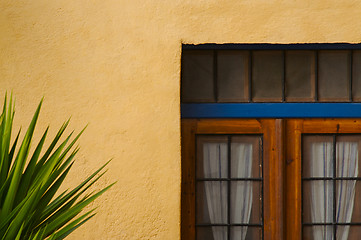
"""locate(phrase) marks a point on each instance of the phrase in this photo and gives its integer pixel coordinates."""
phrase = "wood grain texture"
(293, 180)
(273, 179)
(331, 125)
(188, 179)
(229, 126)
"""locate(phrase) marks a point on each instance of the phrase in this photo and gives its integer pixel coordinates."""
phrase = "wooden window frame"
(282, 140)
(294, 130)
(286, 159)
(272, 132)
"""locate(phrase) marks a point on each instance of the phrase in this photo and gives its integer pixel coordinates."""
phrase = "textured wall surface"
(116, 65)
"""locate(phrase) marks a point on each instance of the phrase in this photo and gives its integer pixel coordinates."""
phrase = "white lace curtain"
(321, 165)
(215, 166)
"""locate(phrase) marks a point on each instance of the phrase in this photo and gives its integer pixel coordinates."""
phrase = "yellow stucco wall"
(116, 65)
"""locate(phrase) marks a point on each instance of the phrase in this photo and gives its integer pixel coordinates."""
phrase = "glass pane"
(300, 76)
(356, 76)
(212, 202)
(317, 204)
(197, 76)
(246, 161)
(233, 76)
(246, 233)
(317, 158)
(353, 234)
(334, 75)
(246, 202)
(348, 201)
(212, 157)
(356, 213)
(318, 233)
(267, 76)
(347, 156)
(212, 233)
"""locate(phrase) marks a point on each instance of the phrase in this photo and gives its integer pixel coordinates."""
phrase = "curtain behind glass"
(347, 166)
(321, 165)
(214, 157)
(242, 196)
(214, 154)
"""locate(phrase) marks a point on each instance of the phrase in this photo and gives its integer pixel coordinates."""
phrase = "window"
(253, 168)
(229, 186)
(286, 175)
(225, 159)
(286, 73)
(323, 157)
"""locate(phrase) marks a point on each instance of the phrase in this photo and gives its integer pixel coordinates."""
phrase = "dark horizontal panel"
(271, 110)
(266, 46)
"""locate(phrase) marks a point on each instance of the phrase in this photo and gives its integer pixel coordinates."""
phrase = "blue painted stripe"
(271, 110)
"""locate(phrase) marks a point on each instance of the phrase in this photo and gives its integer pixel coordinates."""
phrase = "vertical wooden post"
(293, 179)
(273, 134)
(188, 179)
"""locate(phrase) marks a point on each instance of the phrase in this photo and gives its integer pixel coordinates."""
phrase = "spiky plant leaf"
(30, 182)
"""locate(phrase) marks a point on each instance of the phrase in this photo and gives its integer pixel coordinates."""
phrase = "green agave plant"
(30, 207)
